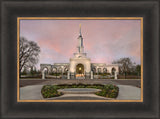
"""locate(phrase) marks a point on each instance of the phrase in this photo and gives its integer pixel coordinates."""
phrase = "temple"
(80, 65)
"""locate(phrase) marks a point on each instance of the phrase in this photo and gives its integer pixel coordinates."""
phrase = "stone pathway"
(79, 90)
(79, 97)
(31, 92)
(129, 93)
(34, 93)
(133, 82)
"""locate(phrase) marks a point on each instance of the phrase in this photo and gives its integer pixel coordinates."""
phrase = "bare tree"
(126, 65)
(28, 53)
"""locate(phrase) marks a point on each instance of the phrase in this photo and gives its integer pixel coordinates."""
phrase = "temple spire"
(80, 41)
(80, 30)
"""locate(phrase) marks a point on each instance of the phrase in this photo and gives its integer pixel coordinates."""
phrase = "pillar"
(115, 75)
(68, 75)
(91, 74)
(43, 74)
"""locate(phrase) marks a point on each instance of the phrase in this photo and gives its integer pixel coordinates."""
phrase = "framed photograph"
(79, 77)
(67, 59)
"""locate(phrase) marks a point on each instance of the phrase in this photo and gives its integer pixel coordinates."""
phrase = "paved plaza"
(132, 82)
(31, 89)
(79, 90)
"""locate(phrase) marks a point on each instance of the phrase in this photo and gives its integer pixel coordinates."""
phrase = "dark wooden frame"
(11, 9)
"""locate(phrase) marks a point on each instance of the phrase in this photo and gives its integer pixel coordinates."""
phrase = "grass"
(109, 91)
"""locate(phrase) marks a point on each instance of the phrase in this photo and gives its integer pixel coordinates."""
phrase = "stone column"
(43, 74)
(68, 75)
(91, 74)
(115, 75)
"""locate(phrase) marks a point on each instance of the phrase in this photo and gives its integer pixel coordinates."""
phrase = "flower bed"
(109, 91)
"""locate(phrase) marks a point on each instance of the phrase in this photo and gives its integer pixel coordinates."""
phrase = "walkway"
(31, 92)
(133, 82)
(79, 90)
(79, 97)
(129, 93)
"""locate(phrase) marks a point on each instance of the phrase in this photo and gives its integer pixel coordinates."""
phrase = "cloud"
(104, 40)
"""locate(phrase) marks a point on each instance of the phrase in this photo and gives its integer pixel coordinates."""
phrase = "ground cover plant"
(109, 90)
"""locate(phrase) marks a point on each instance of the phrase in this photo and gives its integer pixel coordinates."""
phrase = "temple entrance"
(79, 70)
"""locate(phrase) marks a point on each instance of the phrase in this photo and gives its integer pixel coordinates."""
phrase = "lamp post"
(62, 74)
(62, 69)
(56, 72)
(98, 74)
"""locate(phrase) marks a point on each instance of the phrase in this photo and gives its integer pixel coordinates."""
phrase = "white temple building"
(80, 65)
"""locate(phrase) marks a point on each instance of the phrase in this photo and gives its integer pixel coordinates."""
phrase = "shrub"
(110, 91)
(50, 91)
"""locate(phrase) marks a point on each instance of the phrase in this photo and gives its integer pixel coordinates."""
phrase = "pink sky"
(104, 40)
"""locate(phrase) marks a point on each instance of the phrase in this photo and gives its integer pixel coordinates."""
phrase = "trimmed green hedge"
(109, 91)
(49, 91)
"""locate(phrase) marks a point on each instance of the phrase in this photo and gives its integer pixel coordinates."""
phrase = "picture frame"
(139, 83)
(149, 108)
